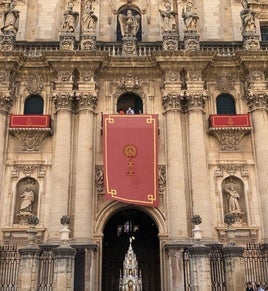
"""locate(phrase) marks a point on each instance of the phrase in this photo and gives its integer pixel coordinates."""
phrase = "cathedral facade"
(174, 92)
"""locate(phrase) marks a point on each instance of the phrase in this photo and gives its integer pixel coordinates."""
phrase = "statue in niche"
(70, 20)
(11, 19)
(27, 200)
(168, 18)
(233, 199)
(248, 18)
(129, 24)
(190, 18)
(89, 19)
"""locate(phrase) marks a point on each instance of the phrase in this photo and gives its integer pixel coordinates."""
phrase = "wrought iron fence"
(46, 270)
(9, 267)
(217, 268)
(256, 264)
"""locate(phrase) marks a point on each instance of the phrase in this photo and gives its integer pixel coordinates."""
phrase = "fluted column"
(257, 100)
(177, 216)
(84, 196)
(63, 98)
(196, 98)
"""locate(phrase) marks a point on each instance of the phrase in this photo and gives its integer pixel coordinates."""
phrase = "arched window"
(124, 10)
(34, 104)
(225, 104)
(130, 100)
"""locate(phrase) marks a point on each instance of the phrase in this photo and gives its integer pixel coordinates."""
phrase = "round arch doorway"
(117, 232)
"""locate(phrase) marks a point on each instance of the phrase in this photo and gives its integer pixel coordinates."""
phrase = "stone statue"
(89, 19)
(168, 18)
(27, 200)
(11, 19)
(129, 24)
(70, 19)
(248, 18)
(190, 18)
(233, 199)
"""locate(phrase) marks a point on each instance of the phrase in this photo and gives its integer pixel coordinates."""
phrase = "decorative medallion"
(34, 84)
(130, 151)
(225, 82)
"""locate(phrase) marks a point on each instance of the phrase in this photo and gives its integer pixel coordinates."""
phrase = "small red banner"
(238, 120)
(130, 158)
(29, 121)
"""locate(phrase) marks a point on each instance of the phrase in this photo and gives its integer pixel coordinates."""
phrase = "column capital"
(256, 99)
(196, 100)
(63, 100)
(86, 100)
(172, 101)
(6, 100)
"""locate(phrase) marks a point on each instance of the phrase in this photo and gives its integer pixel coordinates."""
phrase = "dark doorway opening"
(145, 245)
(130, 100)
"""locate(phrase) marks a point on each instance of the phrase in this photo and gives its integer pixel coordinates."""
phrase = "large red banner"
(130, 158)
(238, 120)
(29, 121)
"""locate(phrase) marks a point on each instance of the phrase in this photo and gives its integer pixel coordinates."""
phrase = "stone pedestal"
(200, 268)
(88, 42)
(251, 41)
(7, 42)
(129, 46)
(235, 267)
(175, 268)
(67, 41)
(170, 41)
(191, 40)
(64, 268)
(28, 270)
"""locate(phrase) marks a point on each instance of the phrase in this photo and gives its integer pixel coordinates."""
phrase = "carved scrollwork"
(28, 170)
(63, 100)
(162, 179)
(129, 83)
(87, 100)
(6, 100)
(224, 82)
(67, 42)
(171, 101)
(34, 83)
(99, 179)
(256, 99)
(196, 99)
(229, 138)
(30, 138)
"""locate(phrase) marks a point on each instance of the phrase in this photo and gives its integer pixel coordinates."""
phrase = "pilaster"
(200, 269)
(256, 95)
(196, 98)
(63, 98)
(64, 258)
(172, 105)
(234, 266)
(86, 102)
(28, 270)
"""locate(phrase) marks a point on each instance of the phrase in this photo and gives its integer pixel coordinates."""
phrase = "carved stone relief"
(162, 179)
(34, 83)
(129, 82)
(99, 179)
(28, 170)
(224, 82)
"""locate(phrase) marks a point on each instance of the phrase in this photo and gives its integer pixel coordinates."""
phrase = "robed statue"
(129, 24)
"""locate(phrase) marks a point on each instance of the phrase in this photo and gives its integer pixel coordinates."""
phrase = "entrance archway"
(145, 245)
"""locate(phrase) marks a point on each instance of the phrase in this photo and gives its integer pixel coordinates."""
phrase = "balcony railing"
(35, 49)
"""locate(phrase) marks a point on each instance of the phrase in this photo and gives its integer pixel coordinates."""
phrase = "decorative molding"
(86, 100)
(129, 82)
(99, 179)
(6, 100)
(34, 83)
(28, 169)
(162, 179)
(224, 82)
(63, 100)
(171, 101)
(196, 99)
(256, 99)
(229, 137)
(30, 138)
(231, 168)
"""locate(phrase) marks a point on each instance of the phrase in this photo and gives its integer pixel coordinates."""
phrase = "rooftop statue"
(129, 24)
(70, 20)
(189, 17)
(11, 19)
(89, 19)
(168, 18)
(248, 18)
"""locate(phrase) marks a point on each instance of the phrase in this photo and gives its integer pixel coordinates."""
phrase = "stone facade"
(81, 58)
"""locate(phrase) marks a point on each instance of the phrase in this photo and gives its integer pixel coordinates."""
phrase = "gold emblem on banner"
(130, 151)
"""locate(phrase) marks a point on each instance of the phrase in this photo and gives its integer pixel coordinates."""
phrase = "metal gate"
(9, 267)
(256, 264)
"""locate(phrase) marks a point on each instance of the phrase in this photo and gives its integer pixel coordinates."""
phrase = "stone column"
(234, 267)
(177, 216)
(6, 102)
(91, 280)
(29, 268)
(63, 98)
(200, 268)
(196, 98)
(257, 100)
(175, 269)
(84, 197)
(64, 268)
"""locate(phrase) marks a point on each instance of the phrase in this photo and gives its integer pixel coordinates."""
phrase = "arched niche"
(132, 100)
(34, 104)
(233, 197)
(124, 10)
(225, 104)
(27, 196)
(129, 222)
